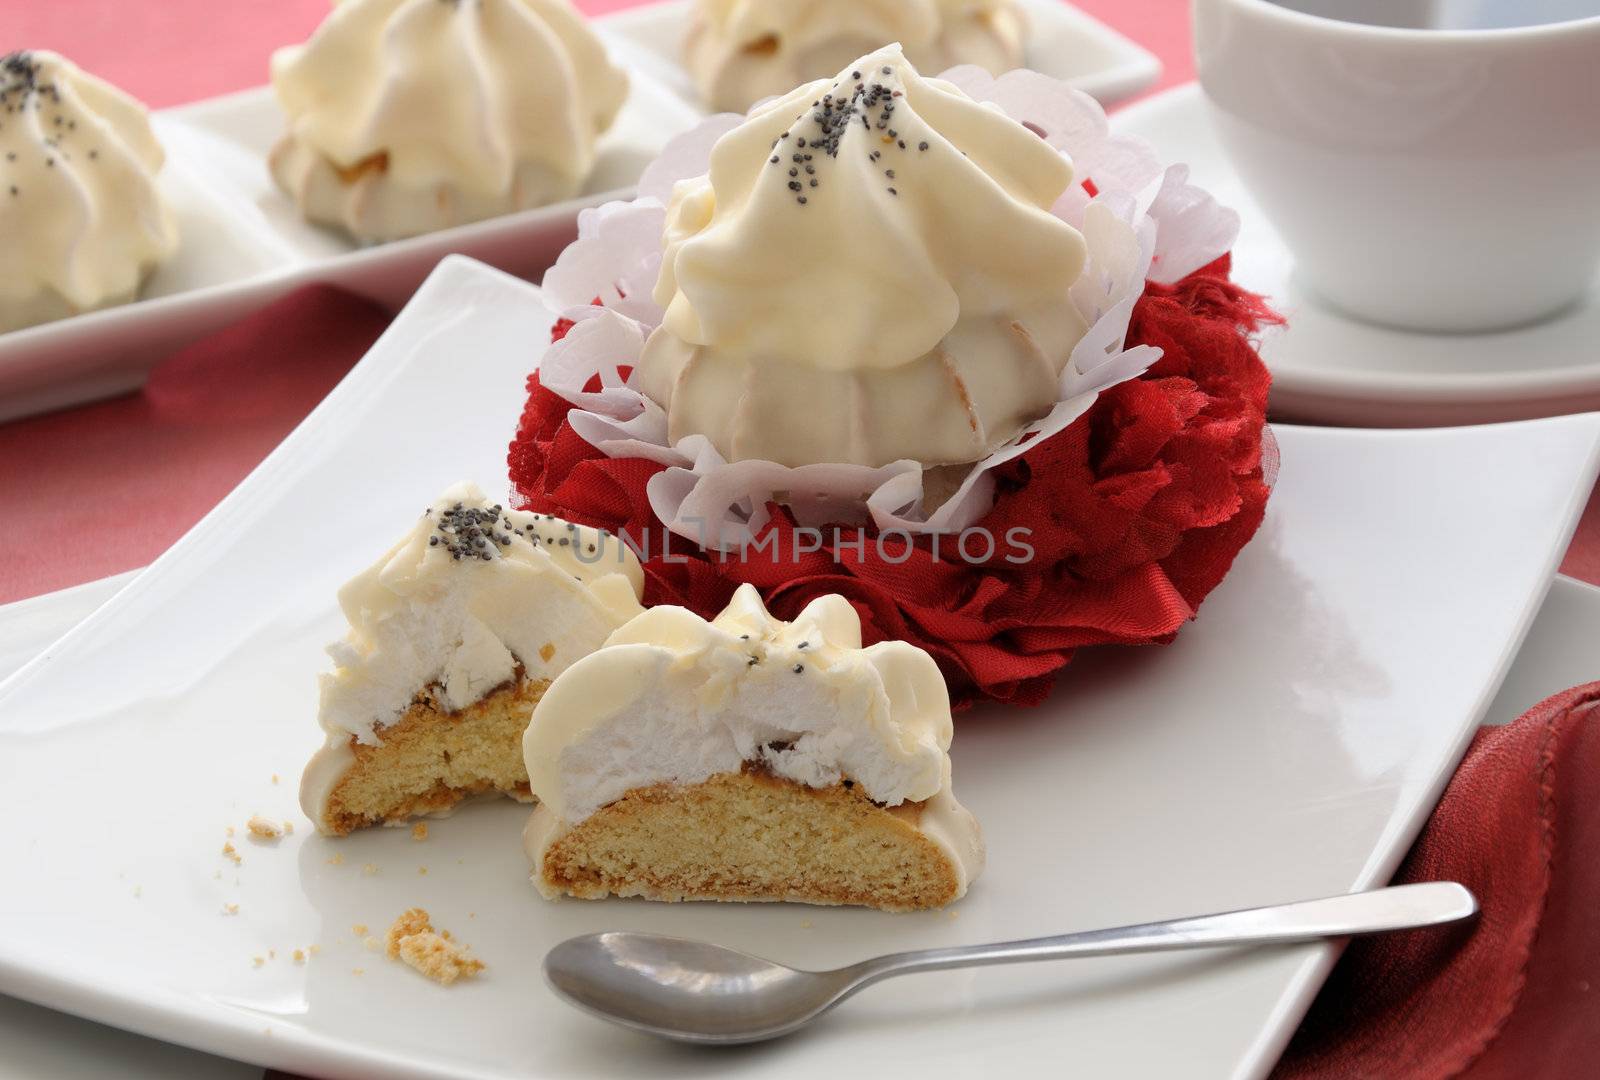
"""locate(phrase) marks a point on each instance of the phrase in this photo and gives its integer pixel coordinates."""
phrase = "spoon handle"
(1399, 907)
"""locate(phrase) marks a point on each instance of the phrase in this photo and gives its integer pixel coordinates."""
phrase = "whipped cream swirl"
(411, 115)
(83, 221)
(869, 273)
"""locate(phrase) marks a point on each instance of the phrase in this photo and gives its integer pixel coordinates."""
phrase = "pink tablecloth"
(174, 51)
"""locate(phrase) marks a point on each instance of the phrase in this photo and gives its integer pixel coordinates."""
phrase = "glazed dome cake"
(407, 116)
(749, 759)
(83, 223)
(740, 51)
(880, 247)
(455, 633)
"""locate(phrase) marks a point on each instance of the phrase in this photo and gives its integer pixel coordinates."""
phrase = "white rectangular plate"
(1290, 744)
(1063, 42)
(1556, 654)
(243, 245)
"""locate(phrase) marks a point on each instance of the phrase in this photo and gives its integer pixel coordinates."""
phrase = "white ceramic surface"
(45, 1045)
(1328, 367)
(27, 626)
(1426, 178)
(1289, 744)
(1064, 42)
(243, 245)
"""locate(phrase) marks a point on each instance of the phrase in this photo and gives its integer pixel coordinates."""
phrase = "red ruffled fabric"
(1134, 513)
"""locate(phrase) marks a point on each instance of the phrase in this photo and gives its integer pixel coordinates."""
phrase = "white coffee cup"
(1432, 179)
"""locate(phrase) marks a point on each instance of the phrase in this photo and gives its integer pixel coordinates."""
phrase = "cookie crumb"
(413, 941)
(419, 831)
(274, 778)
(299, 956)
(257, 961)
(337, 860)
(288, 828)
(412, 921)
(230, 852)
(359, 929)
(230, 909)
(358, 971)
(263, 829)
(371, 943)
(422, 871)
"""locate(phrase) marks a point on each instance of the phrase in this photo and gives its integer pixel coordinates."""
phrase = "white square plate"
(1063, 42)
(243, 245)
(1290, 744)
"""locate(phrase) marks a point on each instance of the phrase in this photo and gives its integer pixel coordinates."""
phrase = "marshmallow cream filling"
(470, 595)
(879, 248)
(675, 699)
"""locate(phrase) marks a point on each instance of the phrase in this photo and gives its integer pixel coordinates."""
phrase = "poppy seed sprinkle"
(470, 531)
(831, 117)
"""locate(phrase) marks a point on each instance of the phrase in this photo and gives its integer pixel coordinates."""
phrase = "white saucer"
(1331, 368)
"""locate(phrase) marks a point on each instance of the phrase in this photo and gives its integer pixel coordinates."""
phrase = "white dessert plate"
(1289, 744)
(1332, 368)
(243, 245)
(1063, 42)
(1555, 655)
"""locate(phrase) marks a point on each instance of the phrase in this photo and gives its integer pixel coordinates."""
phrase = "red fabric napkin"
(205, 419)
(1517, 995)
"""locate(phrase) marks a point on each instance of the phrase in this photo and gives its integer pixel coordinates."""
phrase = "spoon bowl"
(689, 990)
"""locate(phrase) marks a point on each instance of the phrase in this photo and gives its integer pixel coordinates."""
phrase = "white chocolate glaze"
(869, 273)
(472, 594)
(674, 699)
(82, 224)
(407, 116)
(740, 51)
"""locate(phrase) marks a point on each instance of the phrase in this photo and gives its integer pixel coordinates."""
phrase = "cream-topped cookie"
(870, 272)
(749, 720)
(83, 222)
(740, 51)
(406, 116)
(464, 622)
